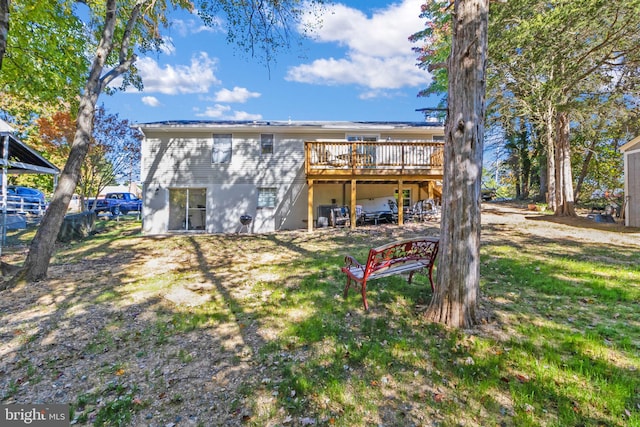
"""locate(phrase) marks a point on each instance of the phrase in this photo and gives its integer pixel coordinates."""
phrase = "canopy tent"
(18, 158)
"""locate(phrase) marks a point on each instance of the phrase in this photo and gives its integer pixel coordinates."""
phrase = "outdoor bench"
(407, 256)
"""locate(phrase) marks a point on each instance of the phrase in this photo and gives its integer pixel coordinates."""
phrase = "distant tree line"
(562, 92)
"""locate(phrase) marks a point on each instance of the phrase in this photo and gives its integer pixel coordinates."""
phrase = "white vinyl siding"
(180, 158)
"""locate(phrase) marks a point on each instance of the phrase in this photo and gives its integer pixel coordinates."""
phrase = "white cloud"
(237, 95)
(223, 112)
(371, 72)
(196, 77)
(370, 94)
(216, 112)
(151, 101)
(378, 52)
(243, 115)
(167, 47)
(181, 27)
(195, 26)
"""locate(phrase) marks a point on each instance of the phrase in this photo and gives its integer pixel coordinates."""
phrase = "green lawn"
(258, 326)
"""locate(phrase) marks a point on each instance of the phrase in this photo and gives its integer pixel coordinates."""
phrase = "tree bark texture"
(455, 300)
(525, 160)
(4, 28)
(564, 180)
(551, 161)
(584, 170)
(41, 249)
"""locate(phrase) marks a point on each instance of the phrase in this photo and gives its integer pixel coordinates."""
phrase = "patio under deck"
(399, 162)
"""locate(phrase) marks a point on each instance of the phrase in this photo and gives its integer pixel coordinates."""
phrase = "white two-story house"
(202, 176)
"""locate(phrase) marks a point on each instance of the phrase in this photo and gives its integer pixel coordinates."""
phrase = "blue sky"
(358, 66)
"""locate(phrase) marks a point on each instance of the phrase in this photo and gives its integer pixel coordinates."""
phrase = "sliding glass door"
(187, 209)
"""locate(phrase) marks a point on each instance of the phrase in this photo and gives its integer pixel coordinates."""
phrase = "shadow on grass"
(348, 367)
(272, 341)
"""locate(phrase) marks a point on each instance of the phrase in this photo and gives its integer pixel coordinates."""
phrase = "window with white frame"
(221, 152)
(266, 197)
(365, 138)
(266, 143)
(406, 197)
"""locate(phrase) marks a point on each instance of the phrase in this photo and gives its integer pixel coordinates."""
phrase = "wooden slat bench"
(407, 256)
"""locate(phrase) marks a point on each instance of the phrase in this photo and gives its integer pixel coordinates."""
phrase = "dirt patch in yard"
(545, 225)
(119, 321)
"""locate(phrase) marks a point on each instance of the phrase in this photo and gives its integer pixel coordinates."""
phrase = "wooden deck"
(377, 160)
(398, 162)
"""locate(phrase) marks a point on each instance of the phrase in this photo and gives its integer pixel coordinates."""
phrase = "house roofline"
(309, 126)
(630, 144)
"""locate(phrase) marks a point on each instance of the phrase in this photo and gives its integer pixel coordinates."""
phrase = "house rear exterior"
(631, 152)
(202, 176)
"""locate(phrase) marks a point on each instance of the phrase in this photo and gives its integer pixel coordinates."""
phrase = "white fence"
(21, 205)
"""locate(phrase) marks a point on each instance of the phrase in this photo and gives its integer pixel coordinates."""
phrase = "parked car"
(25, 200)
(116, 203)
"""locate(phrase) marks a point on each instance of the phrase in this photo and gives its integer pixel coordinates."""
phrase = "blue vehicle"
(116, 203)
(24, 200)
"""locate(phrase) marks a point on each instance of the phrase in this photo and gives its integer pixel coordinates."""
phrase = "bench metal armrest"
(350, 261)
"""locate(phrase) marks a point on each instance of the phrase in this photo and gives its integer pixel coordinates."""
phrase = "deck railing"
(379, 155)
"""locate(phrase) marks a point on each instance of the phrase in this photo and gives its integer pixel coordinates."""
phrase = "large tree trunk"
(564, 180)
(541, 174)
(550, 197)
(4, 28)
(455, 300)
(43, 244)
(584, 170)
(518, 179)
(525, 161)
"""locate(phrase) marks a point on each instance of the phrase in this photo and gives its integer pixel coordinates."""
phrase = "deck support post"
(310, 206)
(352, 206)
(400, 203)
